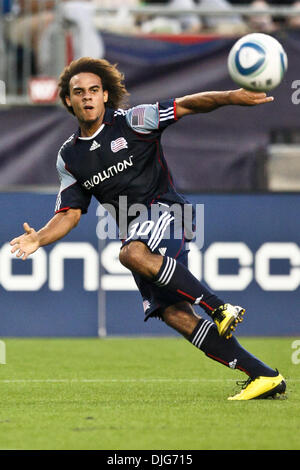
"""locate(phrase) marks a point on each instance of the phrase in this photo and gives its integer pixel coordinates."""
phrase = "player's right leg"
(263, 381)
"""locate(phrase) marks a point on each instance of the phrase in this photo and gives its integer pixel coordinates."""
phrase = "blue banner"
(250, 257)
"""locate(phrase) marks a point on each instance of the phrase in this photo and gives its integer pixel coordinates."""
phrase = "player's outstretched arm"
(211, 100)
(61, 224)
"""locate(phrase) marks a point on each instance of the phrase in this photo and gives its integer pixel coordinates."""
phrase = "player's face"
(87, 98)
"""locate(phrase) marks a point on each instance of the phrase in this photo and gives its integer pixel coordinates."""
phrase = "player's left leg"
(263, 381)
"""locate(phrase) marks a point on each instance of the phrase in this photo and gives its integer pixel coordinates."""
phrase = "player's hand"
(25, 244)
(244, 97)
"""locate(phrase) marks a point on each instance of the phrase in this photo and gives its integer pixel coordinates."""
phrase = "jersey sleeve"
(71, 194)
(147, 118)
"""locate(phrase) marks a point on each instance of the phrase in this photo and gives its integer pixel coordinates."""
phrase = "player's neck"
(87, 129)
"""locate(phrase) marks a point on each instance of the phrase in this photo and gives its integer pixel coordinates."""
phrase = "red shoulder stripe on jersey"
(175, 111)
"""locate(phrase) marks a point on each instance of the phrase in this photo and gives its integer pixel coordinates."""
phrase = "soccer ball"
(257, 62)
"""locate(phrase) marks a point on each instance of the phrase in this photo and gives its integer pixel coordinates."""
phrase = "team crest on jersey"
(118, 144)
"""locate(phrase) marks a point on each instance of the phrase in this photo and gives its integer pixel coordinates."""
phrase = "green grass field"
(140, 393)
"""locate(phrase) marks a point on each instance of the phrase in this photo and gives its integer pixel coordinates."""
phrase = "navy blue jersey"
(123, 158)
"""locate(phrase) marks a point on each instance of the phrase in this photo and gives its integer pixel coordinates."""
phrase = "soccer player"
(117, 153)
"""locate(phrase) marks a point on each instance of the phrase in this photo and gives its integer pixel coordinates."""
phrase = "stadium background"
(240, 163)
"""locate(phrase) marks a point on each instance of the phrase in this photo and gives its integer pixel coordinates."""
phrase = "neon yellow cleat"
(261, 387)
(226, 317)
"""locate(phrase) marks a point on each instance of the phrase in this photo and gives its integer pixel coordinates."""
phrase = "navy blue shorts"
(164, 234)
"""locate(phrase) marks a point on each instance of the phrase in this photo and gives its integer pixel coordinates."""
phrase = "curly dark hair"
(111, 78)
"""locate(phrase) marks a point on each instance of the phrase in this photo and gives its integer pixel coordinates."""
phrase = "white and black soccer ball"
(257, 62)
